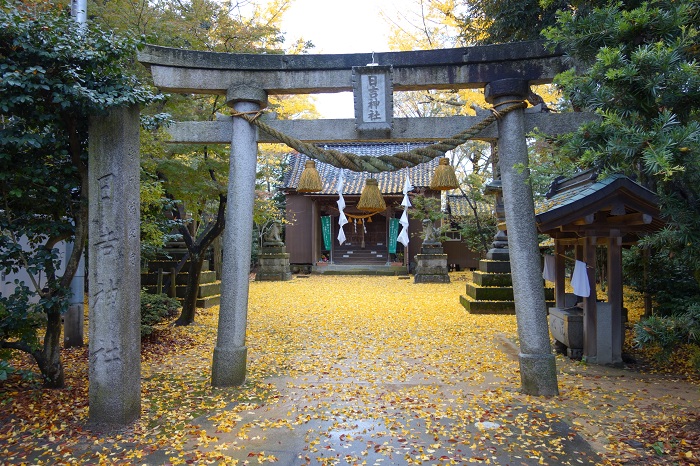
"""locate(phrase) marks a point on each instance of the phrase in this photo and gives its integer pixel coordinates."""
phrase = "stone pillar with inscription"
(230, 353)
(537, 364)
(114, 268)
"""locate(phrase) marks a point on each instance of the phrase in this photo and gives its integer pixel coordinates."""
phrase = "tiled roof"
(459, 207)
(565, 197)
(584, 194)
(389, 182)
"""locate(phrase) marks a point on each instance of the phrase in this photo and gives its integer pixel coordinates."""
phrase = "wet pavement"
(325, 420)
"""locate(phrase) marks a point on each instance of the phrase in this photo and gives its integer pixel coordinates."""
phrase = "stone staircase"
(491, 292)
(208, 295)
(353, 254)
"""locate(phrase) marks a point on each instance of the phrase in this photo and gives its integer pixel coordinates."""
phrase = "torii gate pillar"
(230, 353)
(537, 363)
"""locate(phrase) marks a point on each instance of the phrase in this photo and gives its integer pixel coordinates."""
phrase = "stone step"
(497, 293)
(491, 307)
(492, 279)
(359, 269)
(487, 307)
(209, 289)
(207, 276)
(167, 264)
(209, 301)
(494, 266)
(151, 278)
(489, 293)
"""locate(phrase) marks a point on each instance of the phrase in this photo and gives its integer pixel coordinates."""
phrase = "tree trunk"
(189, 305)
(49, 358)
(197, 249)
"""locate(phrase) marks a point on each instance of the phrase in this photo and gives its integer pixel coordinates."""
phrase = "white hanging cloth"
(407, 188)
(403, 236)
(579, 280)
(549, 273)
(406, 203)
(342, 219)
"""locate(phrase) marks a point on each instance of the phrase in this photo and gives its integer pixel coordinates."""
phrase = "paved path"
(371, 377)
(317, 421)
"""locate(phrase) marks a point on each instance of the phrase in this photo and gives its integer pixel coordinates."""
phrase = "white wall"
(7, 285)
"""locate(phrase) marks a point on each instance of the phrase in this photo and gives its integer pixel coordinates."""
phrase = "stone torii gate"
(505, 72)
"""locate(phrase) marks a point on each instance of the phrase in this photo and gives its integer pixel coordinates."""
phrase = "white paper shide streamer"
(342, 219)
(406, 203)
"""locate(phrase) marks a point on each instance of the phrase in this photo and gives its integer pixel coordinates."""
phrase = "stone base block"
(273, 276)
(229, 366)
(273, 250)
(273, 255)
(489, 293)
(431, 278)
(494, 266)
(273, 266)
(498, 254)
(487, 307)
(492, 279)
(538, 374)
(431, 268)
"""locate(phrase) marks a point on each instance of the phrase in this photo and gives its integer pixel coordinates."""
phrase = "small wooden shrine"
(583, 213)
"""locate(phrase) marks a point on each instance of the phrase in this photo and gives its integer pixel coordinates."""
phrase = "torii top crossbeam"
(189, 71)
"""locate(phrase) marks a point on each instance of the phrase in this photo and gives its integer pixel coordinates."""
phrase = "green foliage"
(477, 225)
(636, 66)
(426, 207)
(668, 333)
(156, 308)
(669, 280)
(430, 208)
(54, 75)
(502, 21)
(155, 224)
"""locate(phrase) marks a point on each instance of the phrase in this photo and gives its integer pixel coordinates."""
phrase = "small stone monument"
(431, 263)
(274, 258)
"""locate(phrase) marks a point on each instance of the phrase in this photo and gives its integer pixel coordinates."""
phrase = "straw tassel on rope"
(444, 177)
(371, 199)
(310, 180)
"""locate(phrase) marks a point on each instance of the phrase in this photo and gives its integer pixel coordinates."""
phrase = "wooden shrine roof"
(583, 206)
(390, 183)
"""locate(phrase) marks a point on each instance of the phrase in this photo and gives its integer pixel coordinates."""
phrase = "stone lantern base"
(274, 264)
(431, 265)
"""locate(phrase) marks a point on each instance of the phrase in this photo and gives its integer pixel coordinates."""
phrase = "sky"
(339, 26)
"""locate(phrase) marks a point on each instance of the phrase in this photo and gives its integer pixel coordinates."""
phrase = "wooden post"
(615, 296)
(159, 281)
(590, 324)
(559, 271)
(173, 283)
